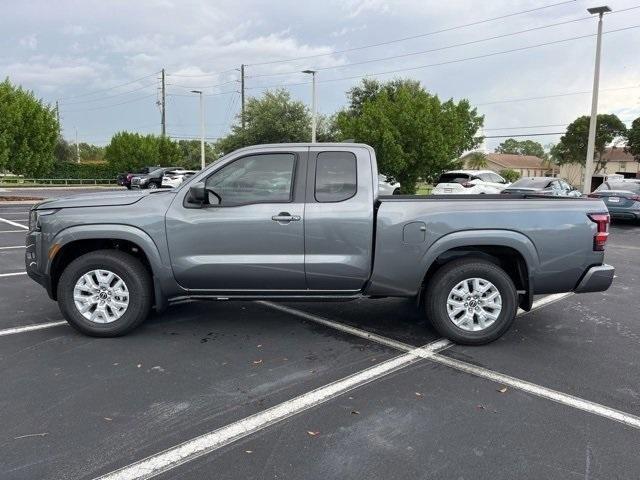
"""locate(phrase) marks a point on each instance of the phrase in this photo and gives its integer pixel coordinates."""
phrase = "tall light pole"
(313, 103)
(199, 92)
(588, 164)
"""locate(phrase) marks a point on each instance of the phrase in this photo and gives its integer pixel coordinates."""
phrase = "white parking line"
(13, 231)
(15, 224)
(30, 328)
(13, 274)
(523, 385)
(199, 446)
(13, 248)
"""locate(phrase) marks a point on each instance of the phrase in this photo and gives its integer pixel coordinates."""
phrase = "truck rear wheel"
(471, 301)
(105, 293)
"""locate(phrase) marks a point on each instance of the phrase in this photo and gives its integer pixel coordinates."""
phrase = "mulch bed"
(15, 198)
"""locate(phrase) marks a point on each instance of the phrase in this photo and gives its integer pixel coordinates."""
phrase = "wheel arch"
(512, 251)
(73, 242)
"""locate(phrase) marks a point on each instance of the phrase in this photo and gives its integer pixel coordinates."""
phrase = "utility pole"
(163, 119)
(77, 147)
(588, 164)
(58, 114)
(242, 93)
(199, 92)
(313, 103)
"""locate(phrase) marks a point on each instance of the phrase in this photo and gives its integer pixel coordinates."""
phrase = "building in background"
(618, 161)
(525, 165)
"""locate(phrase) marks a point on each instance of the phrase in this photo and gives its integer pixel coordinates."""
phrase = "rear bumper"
(596, 279)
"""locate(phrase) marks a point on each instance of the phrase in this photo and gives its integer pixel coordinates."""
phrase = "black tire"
(447, 277)
(129, 269)
(128, 187)
(153, 185)
(396, 191)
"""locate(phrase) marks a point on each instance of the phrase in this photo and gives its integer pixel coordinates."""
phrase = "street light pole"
(588, 166)
(313, 103)
(199, 92)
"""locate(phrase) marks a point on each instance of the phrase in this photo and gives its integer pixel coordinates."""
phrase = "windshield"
(620, 187)
(531, 183)
(452, 177)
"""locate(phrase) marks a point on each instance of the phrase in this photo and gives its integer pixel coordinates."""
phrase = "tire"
(128, 187)
(457, 273)
(138, 287)
(396, 191)
(152, 185)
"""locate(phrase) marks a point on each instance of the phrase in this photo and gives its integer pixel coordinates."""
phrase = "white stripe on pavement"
(13, 274)
(199, 446)
(15, 224)
(523, 385)
(12, 248)
(30, 328)
(13, 231)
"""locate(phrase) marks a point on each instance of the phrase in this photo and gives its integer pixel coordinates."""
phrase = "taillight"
(467, 185)
(635, 198)
(600, 238)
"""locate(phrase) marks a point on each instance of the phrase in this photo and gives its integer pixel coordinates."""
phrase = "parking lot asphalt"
(78, 407)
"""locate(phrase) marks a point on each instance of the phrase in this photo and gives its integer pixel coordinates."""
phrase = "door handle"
(285, 217)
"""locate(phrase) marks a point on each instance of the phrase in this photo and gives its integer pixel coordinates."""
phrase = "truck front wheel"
(105, 293)
(471, 301)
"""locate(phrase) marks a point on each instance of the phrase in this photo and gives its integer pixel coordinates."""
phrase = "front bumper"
(596, 279)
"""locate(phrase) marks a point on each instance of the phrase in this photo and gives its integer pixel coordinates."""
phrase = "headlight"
(144, 180)
(34, 218)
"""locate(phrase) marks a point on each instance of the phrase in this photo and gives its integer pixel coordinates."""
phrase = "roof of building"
(617, 154)
(508, 160)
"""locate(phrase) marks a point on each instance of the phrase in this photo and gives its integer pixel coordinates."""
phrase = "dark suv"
(152, 179)
(124, 179)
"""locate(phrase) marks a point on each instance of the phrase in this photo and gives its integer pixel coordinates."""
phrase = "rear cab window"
(336, 176)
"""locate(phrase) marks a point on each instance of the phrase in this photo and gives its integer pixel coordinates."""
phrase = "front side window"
(336, 176)
(254, 179)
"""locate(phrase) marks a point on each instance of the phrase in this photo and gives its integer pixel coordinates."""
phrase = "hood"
(99, 199)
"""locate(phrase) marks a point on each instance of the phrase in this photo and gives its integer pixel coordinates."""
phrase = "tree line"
(416, 135)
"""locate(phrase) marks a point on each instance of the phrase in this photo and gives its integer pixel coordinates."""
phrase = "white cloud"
(30, 42)
(74, 30)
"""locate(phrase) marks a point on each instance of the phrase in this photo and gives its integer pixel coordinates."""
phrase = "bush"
(509, 175)
(82, 170)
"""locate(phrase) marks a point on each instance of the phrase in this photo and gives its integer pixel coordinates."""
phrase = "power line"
(202, 86)
(527, 126)
(112, 105)
(110, 96)
(388, 42)
(524, 135)
(556, 95)
(213, 74)
(110, 88)
(476, 57)
(205, 94)
(455, 45)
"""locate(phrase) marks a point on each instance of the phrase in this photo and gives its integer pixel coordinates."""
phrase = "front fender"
(164, 284)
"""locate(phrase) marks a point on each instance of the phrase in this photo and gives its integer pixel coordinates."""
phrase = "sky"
(102, 59)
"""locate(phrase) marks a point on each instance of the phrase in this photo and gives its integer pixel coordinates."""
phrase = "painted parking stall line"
(12, 274)
(15, 224)
(501, 378)
(13, 231)
(209, 442)
(13, 248)
(30, 328)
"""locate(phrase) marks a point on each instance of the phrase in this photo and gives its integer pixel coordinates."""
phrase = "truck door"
(251, 236)
(339, 218)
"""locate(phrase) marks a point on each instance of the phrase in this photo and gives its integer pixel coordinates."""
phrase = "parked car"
(556, 187)
(124, 179)
(174, 178)
(387, 188)
(294, 221)
(622, 198)
(152, 179)
(469, 182)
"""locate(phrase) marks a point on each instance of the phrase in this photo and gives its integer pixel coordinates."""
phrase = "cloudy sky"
(102, 59)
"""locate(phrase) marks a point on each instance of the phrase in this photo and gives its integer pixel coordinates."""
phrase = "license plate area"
(614, 199)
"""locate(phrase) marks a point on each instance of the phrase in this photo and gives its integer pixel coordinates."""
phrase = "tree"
(63, 151)
(190, 152)
(477, 160)
(509, 175)
(130, 151)
(91, 153)
(273, 118)
(28, 132)
(573, 144)
(522, 147)
(414, 133)
(633, 140)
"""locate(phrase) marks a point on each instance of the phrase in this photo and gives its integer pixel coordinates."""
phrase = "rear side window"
(336, 176)
(453, 178)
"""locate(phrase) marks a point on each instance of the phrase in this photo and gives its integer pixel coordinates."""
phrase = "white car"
(469, 182)
(387, 188)
(174, 178)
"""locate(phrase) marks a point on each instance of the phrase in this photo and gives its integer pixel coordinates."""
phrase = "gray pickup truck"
(296, 221)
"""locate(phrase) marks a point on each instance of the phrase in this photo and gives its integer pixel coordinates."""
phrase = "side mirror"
(197, 193)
